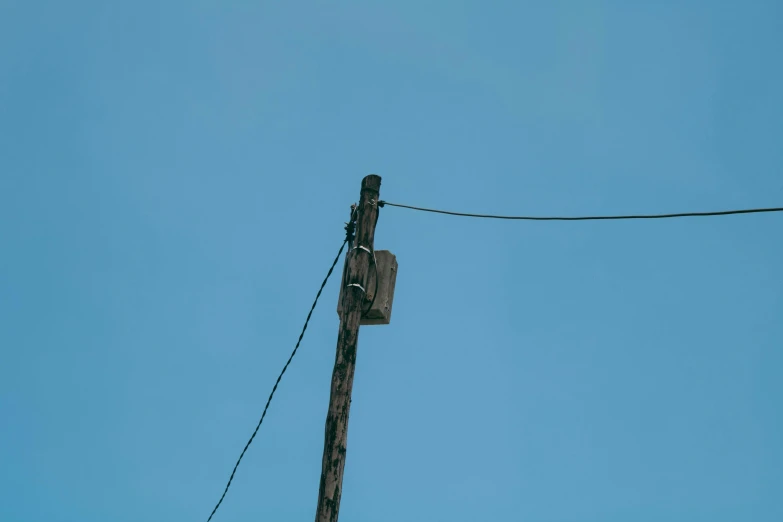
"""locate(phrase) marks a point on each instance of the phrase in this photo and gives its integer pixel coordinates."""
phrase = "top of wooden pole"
(372, 182)
(368, 213)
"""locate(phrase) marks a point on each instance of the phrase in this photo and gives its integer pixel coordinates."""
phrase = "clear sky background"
(174, 178)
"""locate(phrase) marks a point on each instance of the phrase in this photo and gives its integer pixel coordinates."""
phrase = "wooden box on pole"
(380, 289)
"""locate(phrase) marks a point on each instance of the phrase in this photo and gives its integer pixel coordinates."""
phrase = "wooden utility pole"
(353, 302)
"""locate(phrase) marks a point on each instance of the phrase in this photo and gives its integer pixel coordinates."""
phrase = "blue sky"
(174, 178)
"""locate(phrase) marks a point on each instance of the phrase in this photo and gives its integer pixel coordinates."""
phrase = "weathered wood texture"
(380, 296)
(353, 301)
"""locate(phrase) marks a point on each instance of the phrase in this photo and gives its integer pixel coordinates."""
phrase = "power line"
(589, 218)
(349, 237)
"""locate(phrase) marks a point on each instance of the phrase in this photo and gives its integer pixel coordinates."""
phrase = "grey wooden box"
(380, 312)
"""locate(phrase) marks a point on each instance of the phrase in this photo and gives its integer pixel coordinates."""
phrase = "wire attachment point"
(350, 227)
